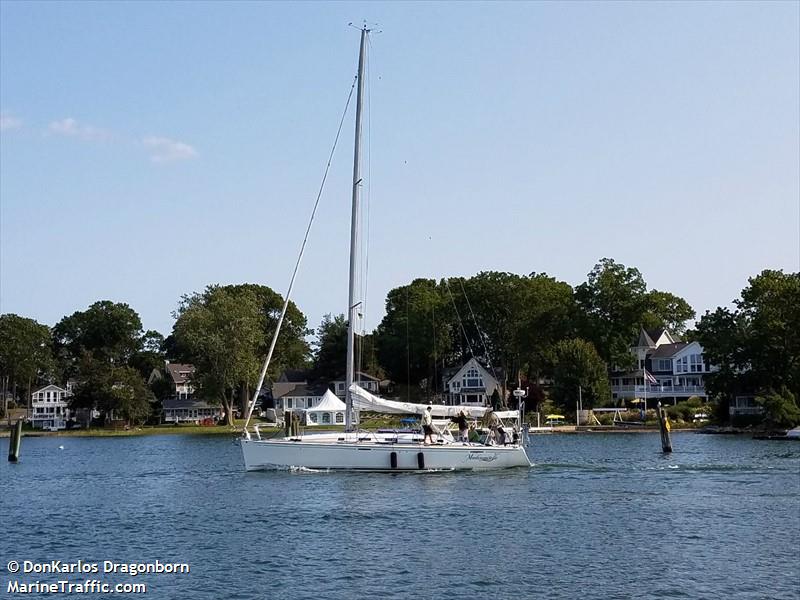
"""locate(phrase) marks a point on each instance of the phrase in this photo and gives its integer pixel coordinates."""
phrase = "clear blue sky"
(149, 149)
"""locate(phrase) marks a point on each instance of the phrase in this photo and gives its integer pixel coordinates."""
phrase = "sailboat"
(359, 450)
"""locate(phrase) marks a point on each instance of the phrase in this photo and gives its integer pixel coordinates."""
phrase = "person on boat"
(427, 427)
(497, 434)
(463, 425)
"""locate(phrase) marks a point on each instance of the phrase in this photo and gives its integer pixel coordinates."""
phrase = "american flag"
(649, 377)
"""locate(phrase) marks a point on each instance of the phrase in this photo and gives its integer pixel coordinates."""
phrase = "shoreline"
(237, 430)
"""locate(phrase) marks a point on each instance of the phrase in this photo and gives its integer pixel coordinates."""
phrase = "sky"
(150, 149)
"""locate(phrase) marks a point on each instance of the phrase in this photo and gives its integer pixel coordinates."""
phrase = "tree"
(491, 315)
(225, 332)
(415, 334)
(25, 353)
(331, 353)
(576, 364)
(780, 408)
(150, 354)
(117, 392)
(132, 400)
(755, 346)
(722, 335)
(111, 332)
(770, 308)
(547, 315)
(667, 310)
(613, 302)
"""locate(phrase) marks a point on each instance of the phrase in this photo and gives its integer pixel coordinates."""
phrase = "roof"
(360, 376)
(668, 350)
(49, 388)
(173, 403)
(294, 376)
(302, 390)
(645, 339)
(180, 373)
(485, 372)
(329, 402)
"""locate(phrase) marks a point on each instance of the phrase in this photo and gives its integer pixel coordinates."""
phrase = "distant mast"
(351, 303)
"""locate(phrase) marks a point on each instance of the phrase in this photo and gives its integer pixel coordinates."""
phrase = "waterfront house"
(470, 385)
(291, 396)
(744, 405)
(364, 380)
(50, 407)
(190, 410)
(668, 369)
(179, 377)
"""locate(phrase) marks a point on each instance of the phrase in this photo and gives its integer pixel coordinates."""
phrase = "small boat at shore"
(793, 435)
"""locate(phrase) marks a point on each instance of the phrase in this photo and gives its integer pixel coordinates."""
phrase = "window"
(326, 418)
(288, 403)
(309, 403)
(339, 418)
(696, 363)
(314, 418)
(663, 364)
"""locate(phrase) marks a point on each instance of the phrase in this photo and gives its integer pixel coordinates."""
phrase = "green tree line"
(527, 328)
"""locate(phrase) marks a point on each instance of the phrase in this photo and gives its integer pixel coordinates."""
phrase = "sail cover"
(363, 400)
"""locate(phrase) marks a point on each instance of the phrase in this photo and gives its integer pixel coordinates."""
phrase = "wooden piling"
(14, 442)
(663, 424)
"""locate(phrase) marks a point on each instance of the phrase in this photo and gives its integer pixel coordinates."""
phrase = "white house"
(189, 410)
(364, 380)
(291, 396)
(50, 407)
(678, 369)
(471, 385)
(179, 376)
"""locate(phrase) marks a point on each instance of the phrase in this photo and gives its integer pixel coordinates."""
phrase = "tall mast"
(351, 303)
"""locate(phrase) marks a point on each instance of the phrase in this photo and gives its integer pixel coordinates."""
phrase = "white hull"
(324, 454)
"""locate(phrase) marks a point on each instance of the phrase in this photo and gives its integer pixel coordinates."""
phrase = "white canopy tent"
(329, 411)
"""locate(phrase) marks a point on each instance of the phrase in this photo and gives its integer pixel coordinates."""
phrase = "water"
(599, 516)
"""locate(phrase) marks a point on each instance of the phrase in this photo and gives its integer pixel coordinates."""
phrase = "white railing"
(657, 391)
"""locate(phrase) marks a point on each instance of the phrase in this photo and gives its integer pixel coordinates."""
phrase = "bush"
(605, 418)
(685, 411)
(780, 408)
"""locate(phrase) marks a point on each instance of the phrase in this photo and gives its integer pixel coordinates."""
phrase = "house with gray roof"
(190, 410)
(178, 375)
(667, 369)
(297, 395)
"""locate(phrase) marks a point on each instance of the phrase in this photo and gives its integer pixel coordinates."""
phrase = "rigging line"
(433, 328)
(478, 329)
(408, 351)
(366, 206)
(460, 322)
(368, 203)
(364, 216)
(263, 373)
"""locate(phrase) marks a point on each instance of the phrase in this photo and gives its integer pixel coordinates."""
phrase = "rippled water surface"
(598, 516)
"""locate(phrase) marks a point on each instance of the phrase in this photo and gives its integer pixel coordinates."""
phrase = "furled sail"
(363, 400)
